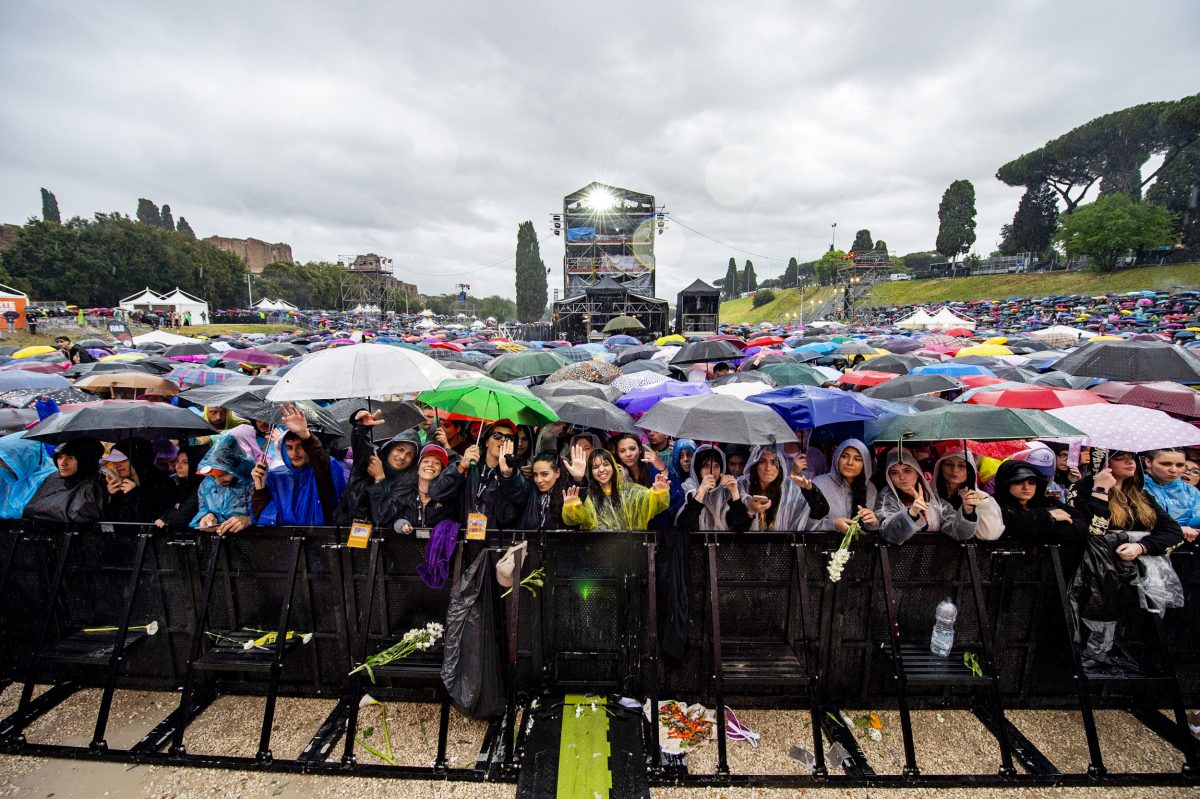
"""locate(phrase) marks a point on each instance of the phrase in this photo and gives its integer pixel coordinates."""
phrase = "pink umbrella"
(254, 356)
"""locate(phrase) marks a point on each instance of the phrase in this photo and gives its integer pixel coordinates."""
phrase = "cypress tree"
(956, 217)
(168, 221)
(731, 281)
(530, 274)
(751, 278)
(184, 227)
(50, 207)
(148, 213)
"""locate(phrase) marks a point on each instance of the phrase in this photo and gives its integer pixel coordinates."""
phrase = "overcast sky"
(427, 134)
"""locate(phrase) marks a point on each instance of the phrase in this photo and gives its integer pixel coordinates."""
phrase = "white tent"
(477, 325)
(266, 304)
(143, 301)
(181, 301)
(427, 324)
(427, 313)
(919, 320)
(163, 337)
(945, 318)
(365, 309)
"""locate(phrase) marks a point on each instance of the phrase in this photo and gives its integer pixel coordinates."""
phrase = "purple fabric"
(435, 571)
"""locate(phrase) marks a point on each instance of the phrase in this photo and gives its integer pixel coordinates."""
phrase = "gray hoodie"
(896, 525)
(837, 491)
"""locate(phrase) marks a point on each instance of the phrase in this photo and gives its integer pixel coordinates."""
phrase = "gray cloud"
(428, 134)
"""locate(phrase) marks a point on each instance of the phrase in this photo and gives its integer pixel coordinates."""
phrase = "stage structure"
(369, 280)
(697, 309)
(608, 261)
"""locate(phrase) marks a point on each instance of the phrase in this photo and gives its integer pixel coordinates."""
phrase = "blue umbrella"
(804, 407)
(621, 341)
(823, 347)
(867, 430)
(952, 369)
(640, 400)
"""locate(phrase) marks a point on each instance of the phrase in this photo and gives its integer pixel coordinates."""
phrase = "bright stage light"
(600, 200)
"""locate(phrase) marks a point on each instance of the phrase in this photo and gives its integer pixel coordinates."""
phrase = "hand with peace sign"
(919, 505)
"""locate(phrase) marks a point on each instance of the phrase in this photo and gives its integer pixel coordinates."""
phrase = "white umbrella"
(742, 390)
(1128, 428)
(361, 370)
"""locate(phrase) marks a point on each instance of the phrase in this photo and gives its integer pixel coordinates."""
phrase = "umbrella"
(952, 369)
(33, 366)
(364, 370)
(900, 364)
(253, 356)
(488, 399)
(589, 371)
(18, 379)
(627, 382)
(13, 419)
(792, 374)
(715, 417)
(765, 341)
(977, 423)
(107, 381)
(1161, 395)
(925, 402)
(984, 349)
(1063, 380)
(397, 416)
(674, 338)
(25, 398)
(856, 348)
(621, 324)
(805, 407)
(275, 348)
(520, 365)
(119, 421)
(912, 386)
(756, 376)
(198, 348)
(640, 400)
(576, 388)
(191, 376)
(741, 390)
(585, 411)
(250, 402)
(865, 377)
(1132, 360)
(621, 340)
(639, 353)
(1042, 398)
(706, 352)
(657, 367)
(37, 349)
(1133, 429)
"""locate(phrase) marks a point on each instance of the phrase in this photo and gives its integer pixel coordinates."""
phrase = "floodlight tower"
(609, 233)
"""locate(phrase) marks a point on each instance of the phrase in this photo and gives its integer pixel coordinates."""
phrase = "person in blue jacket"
(223, 499)
(24, 464)
(1179, 499)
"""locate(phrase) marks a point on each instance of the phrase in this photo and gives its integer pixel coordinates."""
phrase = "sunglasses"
(503, 437)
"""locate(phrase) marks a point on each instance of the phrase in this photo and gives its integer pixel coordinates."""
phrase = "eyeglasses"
(503, 437)
(1191, 471)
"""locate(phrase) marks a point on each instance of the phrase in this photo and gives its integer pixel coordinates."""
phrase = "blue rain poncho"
(28, 465)
(295, 494)
(225, 502)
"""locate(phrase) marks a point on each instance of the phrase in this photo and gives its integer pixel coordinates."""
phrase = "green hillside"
(999, 287)
(786, 303)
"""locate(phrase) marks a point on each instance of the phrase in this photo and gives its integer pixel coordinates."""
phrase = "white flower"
(874, 734)
(367, 700)
(152, 628)
(305, 638)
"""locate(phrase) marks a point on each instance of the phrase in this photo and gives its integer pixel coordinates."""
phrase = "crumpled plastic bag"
(1159, 587)
(471, 668)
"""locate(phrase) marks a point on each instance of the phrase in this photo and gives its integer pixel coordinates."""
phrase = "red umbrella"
(446, 345)
(865, 378)
(978, 381)
(736, 341)
(764, 341)
(960, 332)
(1162, 395)
(1041, 398)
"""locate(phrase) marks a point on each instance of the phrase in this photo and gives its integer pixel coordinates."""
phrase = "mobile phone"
(760, 498)
(1073, 449)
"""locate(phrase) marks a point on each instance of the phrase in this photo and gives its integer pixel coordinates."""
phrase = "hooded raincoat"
(154, 495)
(896, 524)
(1179, 499)
(225, 502)
(839, 493)
(629, 507)
(78, 498)
(28, 466)
(989, 523)
(304, 495)
(796, 507)
(716, 512)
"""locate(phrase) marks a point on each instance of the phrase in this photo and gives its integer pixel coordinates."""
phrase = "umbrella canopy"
(1063, 380)
(19, 379)
(119, 421)
(741, 390)
(254, 356)
(865, 377)
(706, 352)
(984, 349)
(756, 376)
(640, 400)
(590, 371)
(197, 348)
(623, 324)
(364, 370)
(25, 398)
(1132, 429)
(1132, 360)
(397, 416)
(900, 364)
(521, 365)
(952, 369)
(657, 367)
(641, 352)
(913, 386)
(37, 349)
(191, 376)
(627, 382)
(621, 340)
(674, 338)
(805, 407)
(585, 411)
(715, 417)
(488, 399)
(977, 423)
(275, 348)
(1161, 395)
(856, 348)
(576, 388)
(792, 374)
(250, 402)
(1042, 398)
(107, 381)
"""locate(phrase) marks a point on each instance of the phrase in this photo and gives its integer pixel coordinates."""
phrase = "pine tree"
(185, 228)
(881, 246)
(168, 221)
(956, 218)
(862, 241)
(731, 281)
(50, 207)
(1034, 223)
(751, 278)
(791, 275)
(148, 213)
(531, 275)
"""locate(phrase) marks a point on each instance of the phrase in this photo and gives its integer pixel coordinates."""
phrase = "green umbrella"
(530, 363)
(487, 399)
(622, 324)
(793, 374)
(977, 423)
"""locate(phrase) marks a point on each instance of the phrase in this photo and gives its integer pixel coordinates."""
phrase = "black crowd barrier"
(765, 627)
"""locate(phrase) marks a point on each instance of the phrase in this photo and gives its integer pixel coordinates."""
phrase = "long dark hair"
(638, 473)
(772, 491)
(599, 496)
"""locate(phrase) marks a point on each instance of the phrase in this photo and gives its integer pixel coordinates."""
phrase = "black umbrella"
(706, 352)
(281, 348)
(658, 367)
(717, 417)
(397, 416)
(249, 402)
(120, 421)
(758, 361)
(591, 412)
(576, 388)
(198, 348)
(14, 419)
(1057, 379)
(640, 352)
(1132, 360)
(26, 398)
(1014, 373)
(912, 386)
(926, 402)
(897, 364)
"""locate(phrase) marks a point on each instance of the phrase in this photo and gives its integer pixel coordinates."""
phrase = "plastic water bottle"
(942, 640)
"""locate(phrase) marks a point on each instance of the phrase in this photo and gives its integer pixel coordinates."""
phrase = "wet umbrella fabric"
(1131, 429)
(576, 388)
(587, 411)
(1161, 395)
(622, 324)
(805, 407)
(1132, 360)
(363, 370)
(120, 421)
(716, 417)
(706, 352)
(640, 400)
(912, 385)
(977, 423)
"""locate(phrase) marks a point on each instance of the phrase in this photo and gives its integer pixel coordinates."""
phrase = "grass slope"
(999, 287)
(786, 303)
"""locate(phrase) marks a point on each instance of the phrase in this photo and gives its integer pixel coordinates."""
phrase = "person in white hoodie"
(908, 505)
(954, 478)
(775, 498)
(847, 488)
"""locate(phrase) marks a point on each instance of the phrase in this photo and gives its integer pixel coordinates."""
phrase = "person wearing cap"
(1028, 512)
(1043, 459)
(432, 498)
(304, 490)
(74, 493)
(137, 490)
(482, 491)
(223, 498)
